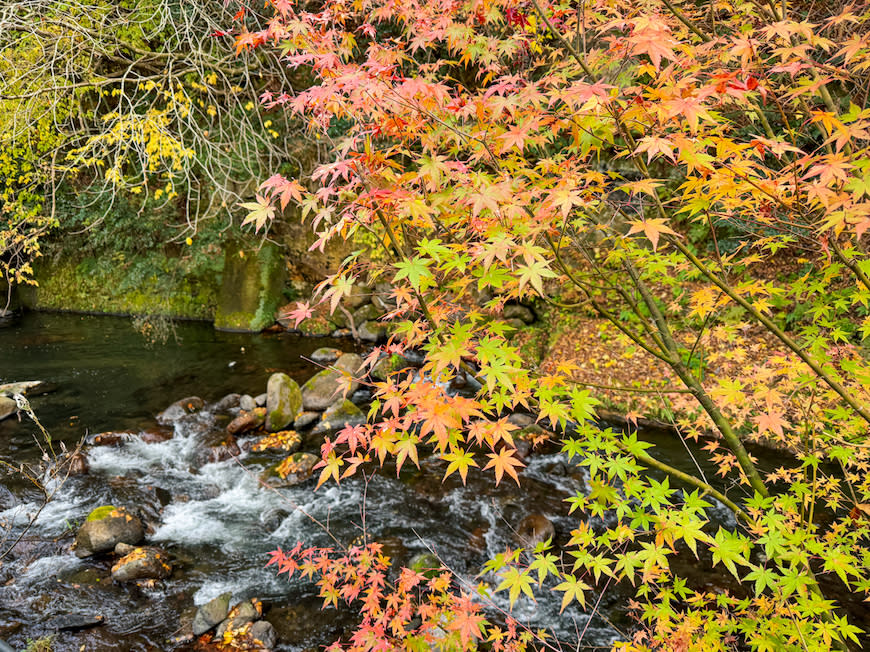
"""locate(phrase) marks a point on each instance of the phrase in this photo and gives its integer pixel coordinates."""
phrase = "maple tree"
(563, 153)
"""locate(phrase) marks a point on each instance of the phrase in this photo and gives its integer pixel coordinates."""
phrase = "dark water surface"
(214, 519)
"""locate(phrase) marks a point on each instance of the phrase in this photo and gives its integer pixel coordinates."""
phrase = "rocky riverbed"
(159, 539)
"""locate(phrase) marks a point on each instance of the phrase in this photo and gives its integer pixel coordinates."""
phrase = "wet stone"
(77, 464)
(111, 438)
(227, 403)
(8, 407)
(325, 387)
(156, 435)
(243, 613)
(338, 416)
(211, 614)
(264, 634)
(247, 403)
(247, 421)
(293, 470)
(535, 528)
(180, 408)
(325, 355)
(305, 419)
(140, 564)
(283, 402)
(104, 528)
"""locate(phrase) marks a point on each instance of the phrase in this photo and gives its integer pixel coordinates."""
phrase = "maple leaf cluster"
(569, 155)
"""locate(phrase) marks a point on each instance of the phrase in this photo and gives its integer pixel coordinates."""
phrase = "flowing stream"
(216, 521)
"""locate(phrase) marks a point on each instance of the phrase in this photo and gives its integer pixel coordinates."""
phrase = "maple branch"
(694, 385)
(690, 480)
(774, 329)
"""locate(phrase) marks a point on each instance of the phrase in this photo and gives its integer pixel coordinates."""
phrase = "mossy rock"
(338, 416)
(283, 401)
(100, 513)
(426, 564)
(252, 289)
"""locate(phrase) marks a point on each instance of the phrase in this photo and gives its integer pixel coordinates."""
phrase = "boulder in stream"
(338, 416)
(372, 331)
(106, 527)
(326, 355)
(247, 611)
(535, 529)
(23, 387)
(179, 409)
(156, 435)
(247, 421)
(211, 614)
(8, 407)
(142, 563)
(116, 438)
(227, 403)
(305, 419)
(325, 387)
(295, 469)
(263, 635)
(387, 365)
(283, 402)
(77, 463)
(286, 441)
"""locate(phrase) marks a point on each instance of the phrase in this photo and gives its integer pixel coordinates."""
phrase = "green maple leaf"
(573, 590)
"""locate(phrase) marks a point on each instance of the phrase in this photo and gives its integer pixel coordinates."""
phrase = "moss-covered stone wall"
(89, 285)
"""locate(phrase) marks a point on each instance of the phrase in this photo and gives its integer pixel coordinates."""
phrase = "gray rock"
(260, 399)
(520, 419)
(179, 409)
(7, 407)
(22, 387)
(74, 622)
(283, 402)
(372, 331)
(295, 469)
(368, 312)
(243, 613)
(387, 365)
(384, 302)
(326, 355)
(105, 528)
(325, 387)
(211, 614)
(305, 419)
(141, 564)
(358, 296)
(227, 403)
(264, 634)
(247, 403)
(247, 421)
(337, 416)
(124, 549)
(515, 311)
